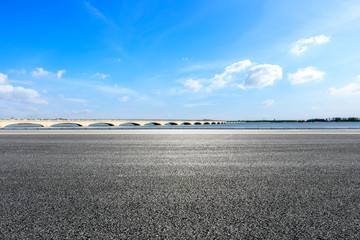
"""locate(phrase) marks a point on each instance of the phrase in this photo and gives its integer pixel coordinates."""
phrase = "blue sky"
(180, 59)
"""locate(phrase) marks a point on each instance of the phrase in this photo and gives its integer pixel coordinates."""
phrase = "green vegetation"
(336, 119)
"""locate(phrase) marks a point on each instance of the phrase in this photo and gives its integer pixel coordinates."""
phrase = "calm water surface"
(266, 125)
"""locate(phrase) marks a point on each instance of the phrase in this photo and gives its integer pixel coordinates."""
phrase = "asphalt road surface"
(180, 186)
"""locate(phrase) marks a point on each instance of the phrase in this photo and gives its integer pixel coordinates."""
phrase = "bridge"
(47, 123)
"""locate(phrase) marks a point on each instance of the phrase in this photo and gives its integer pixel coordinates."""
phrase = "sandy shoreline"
(180, 131)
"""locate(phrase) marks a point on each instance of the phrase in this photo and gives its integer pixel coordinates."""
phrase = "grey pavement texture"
(179, 186)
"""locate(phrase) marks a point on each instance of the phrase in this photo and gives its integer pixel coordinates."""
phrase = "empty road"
(180, 186)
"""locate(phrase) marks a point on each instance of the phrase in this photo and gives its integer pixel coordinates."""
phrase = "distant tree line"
(335, 119)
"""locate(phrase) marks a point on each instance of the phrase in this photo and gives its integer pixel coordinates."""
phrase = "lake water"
(266, 125)
(295, 125)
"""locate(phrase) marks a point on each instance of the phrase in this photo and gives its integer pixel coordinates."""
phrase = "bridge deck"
(87, 122)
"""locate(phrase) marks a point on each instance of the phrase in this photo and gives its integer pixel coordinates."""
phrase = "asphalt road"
(182, 186)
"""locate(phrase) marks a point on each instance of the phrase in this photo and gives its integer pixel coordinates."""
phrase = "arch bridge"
(88, 122)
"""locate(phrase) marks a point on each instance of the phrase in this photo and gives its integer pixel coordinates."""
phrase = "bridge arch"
(67, 124)
(153, 123)
(206, 123)
(186, 123)
(24, 124)
(101, 123)
(130, 123)
(171, 123)
(198, 123)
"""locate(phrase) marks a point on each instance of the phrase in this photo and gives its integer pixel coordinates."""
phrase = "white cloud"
(358, 77)
(302, 45)
(101, 75)
(190, 105)
(193, 85)
(124, 98)
(9, 92)
(40, 72)
(114, 90)
(19, 94)
(261, 76)
(22, 71)
(258, 76)
(352, 89)
(144, 99)
(94, 11)
(175, 91)
(78, 100)
(83, 111)
(221, 80)
(237, 67)
(25, 82)
(315, 108)
(305, 75)
(321, 39)
(60, 73)
(3, 78)
(198, 66)
(268, 102)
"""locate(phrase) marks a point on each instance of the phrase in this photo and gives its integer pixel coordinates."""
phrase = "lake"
(263, 125)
